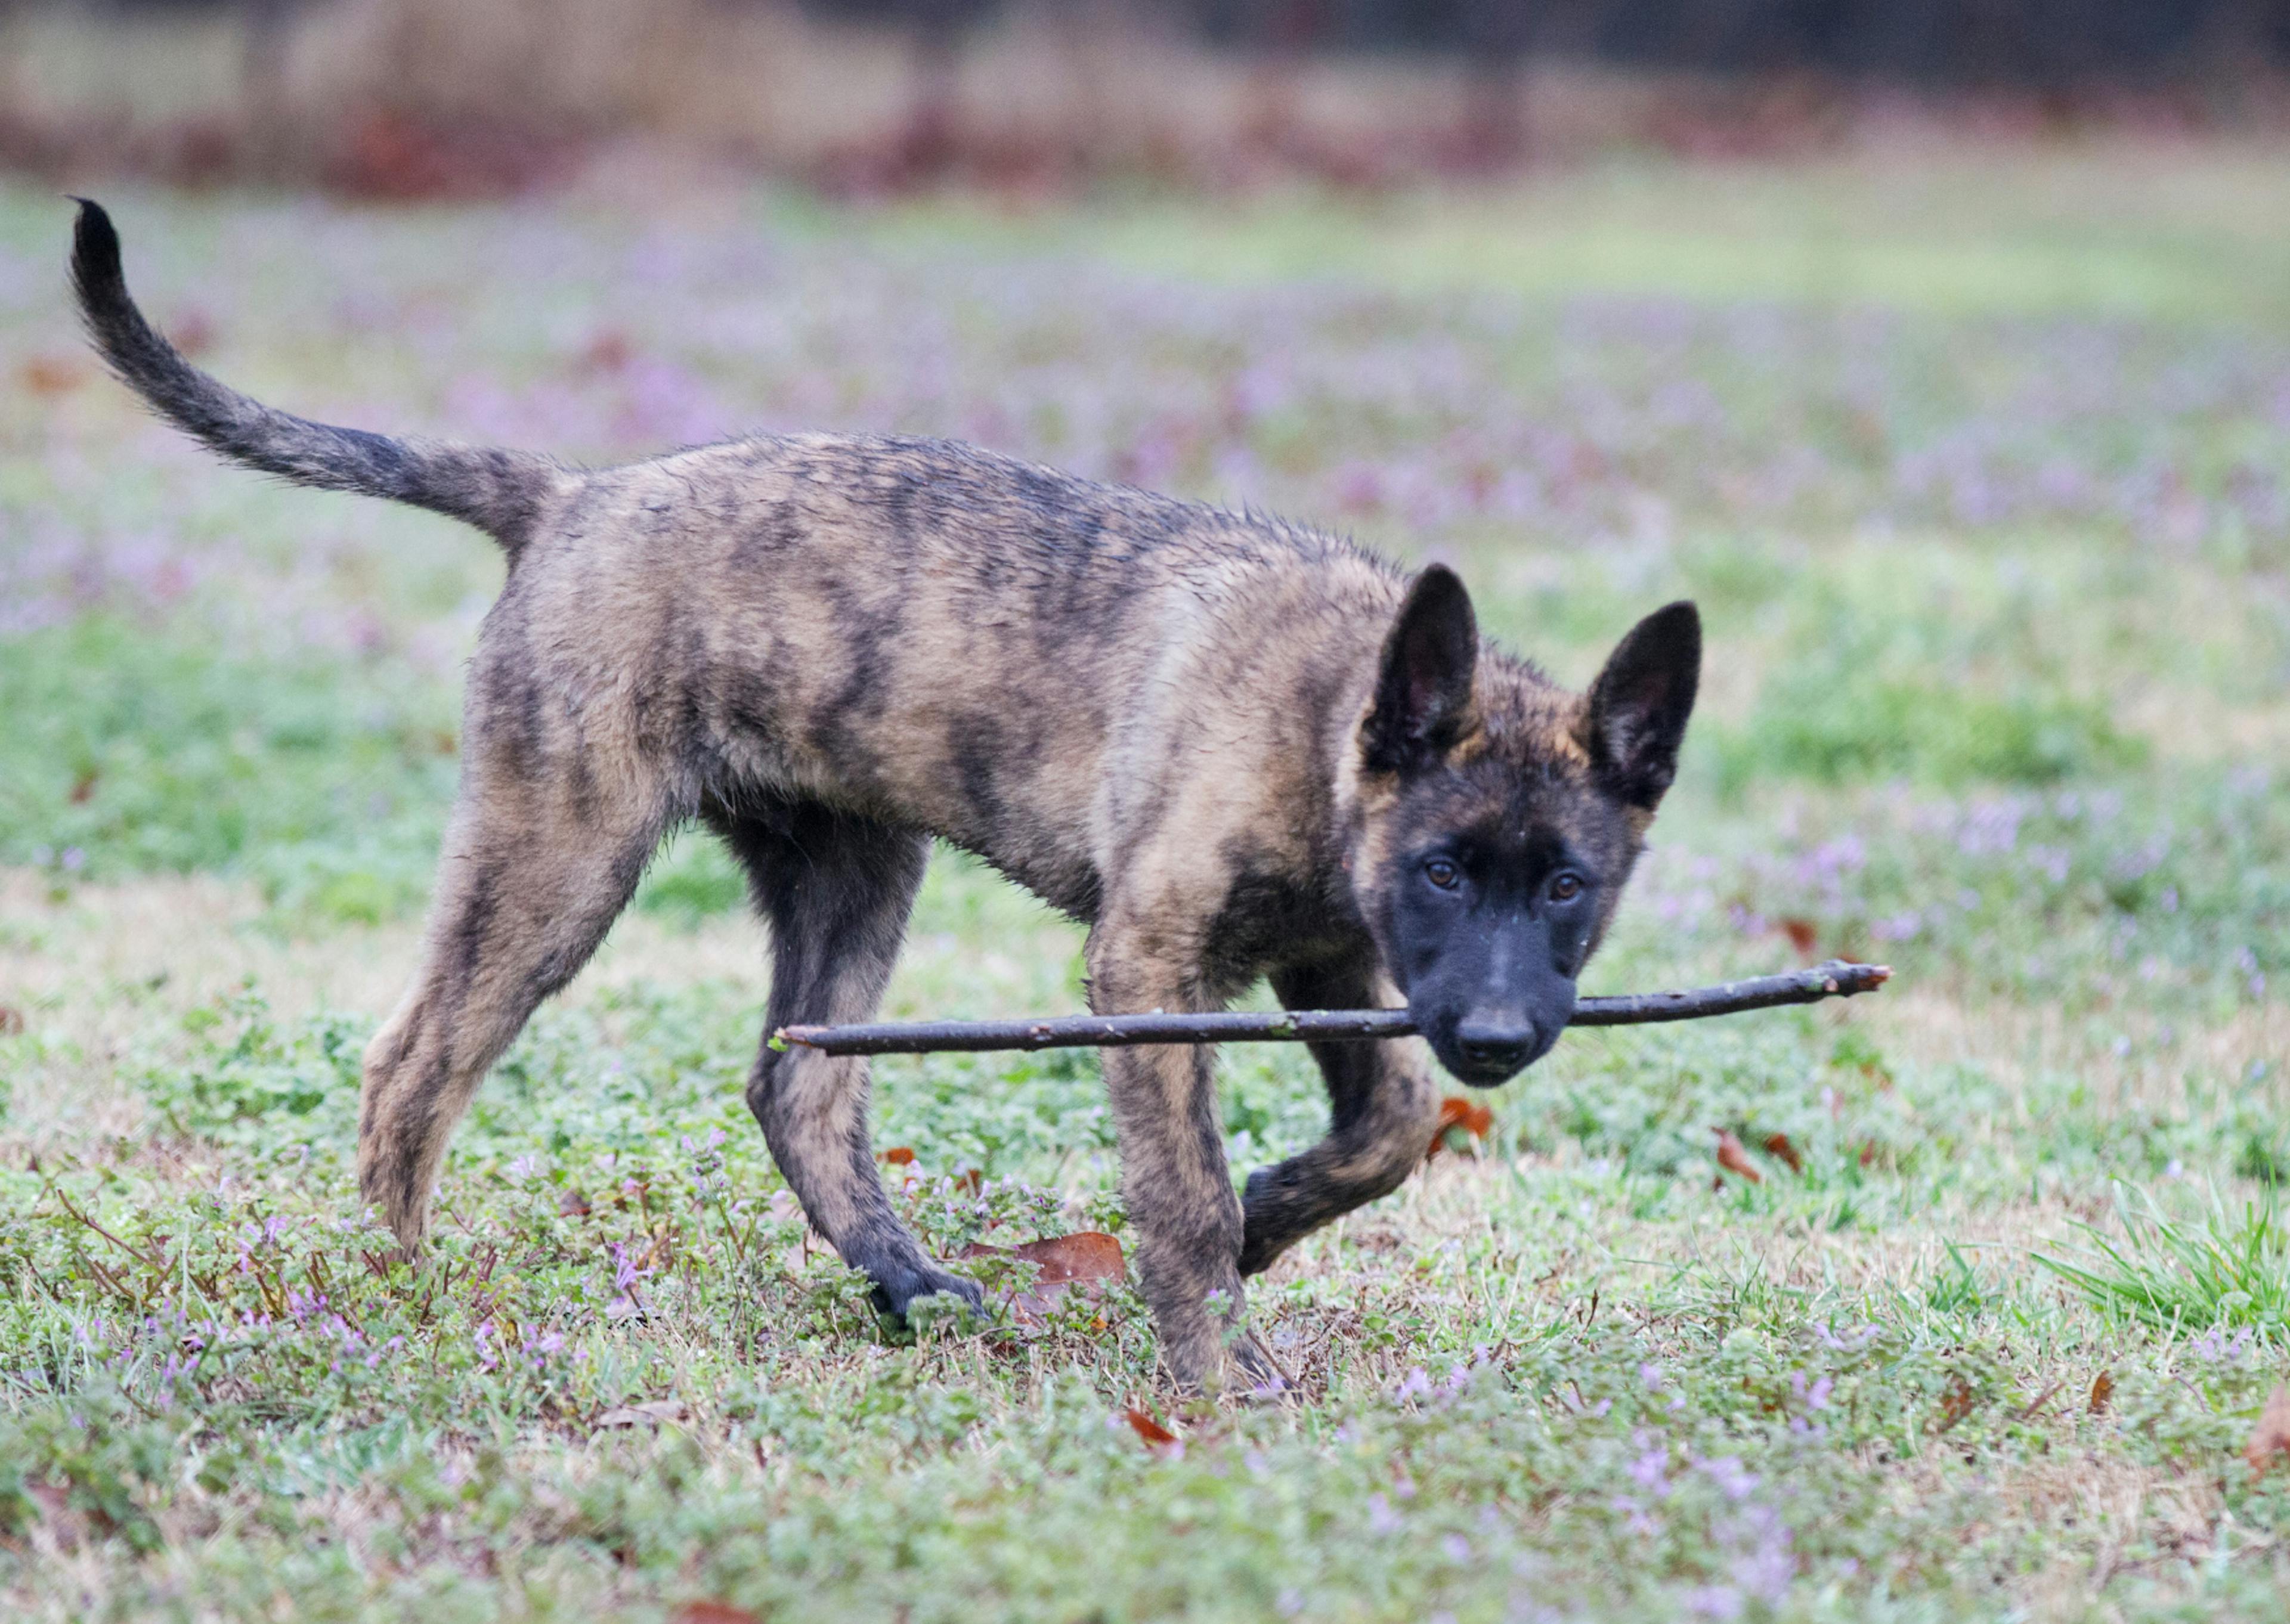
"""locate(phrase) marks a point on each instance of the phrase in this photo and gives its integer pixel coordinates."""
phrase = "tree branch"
(1834, 980)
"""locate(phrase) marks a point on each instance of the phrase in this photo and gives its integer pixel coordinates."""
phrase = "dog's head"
(1498, 817)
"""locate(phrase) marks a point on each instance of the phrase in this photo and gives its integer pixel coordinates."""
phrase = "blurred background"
(419, 98)
(1941, 348)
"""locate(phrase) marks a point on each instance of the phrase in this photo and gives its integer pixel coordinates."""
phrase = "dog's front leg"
(1382, 1106)
(1182, 1206)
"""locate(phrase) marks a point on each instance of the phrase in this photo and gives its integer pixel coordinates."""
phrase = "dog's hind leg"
(836, 891)
(1381, 1109)
(527, 886)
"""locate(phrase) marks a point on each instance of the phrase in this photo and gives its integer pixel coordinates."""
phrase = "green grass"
(1978, 473)
(2176, 1275)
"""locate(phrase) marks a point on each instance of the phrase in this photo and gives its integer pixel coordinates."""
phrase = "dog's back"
(1236, 748)
(1016, 659)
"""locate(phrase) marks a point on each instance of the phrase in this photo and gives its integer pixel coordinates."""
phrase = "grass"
(2173, 1276)
(1992, 551)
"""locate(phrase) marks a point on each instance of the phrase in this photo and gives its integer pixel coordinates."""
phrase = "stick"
(1834, 980)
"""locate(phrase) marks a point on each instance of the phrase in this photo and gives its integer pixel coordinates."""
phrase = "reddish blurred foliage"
(193, 333)
(897, 1155)
(1802, 936)
(1778, 1144)
(82, 788)
(608, 350)
(2103, 1388)
(572, 1204)
(391, 155)
(2271, 1436)
(1456, 1112)
(712, 1613)
(1734, 1158)
(51, 374)
(11, 1020)
(1956, 1403)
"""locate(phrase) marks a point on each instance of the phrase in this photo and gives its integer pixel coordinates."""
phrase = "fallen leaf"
(897, 1155)
(1064, 1261)
(2271, 1436)
(712, 1613)
(1804, 935)
(11, 1020)
(81, 789)
(50, 375)
(1155, 1436)
(971, 1178)
(2103, 1388)
(572, 1204)
(1956, 1403)
(1734, 1158)
(1778, 1144)
(652, 1413)
(1456, 1112)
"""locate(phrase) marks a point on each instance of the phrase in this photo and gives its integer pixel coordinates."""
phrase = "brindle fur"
(1160, 717)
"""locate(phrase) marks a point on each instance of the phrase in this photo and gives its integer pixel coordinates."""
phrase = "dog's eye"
(1565, 887)
(1443, 874)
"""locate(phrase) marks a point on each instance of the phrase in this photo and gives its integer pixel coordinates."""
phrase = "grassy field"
(1980, 469)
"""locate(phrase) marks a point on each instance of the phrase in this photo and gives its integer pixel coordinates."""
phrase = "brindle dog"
(1232, 747)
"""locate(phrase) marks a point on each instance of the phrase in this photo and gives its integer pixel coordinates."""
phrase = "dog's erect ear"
(1424, 686)
(1635, 719)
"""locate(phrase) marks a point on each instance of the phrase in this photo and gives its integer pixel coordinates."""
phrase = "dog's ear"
(1423, 685)
(1635, 718)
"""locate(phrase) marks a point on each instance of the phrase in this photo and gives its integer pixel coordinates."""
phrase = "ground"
(1979, 464)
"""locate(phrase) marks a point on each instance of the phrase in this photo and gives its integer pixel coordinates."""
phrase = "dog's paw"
(1252, 1376)
(896, 1293)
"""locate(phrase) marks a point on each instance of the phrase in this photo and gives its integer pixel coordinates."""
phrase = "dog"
(1231, 746)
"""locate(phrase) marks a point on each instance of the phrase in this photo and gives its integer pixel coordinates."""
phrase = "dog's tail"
(502, 492)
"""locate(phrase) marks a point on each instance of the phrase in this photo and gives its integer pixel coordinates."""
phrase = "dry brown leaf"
(1778, 1144)
(1804, 935)
(2271, 1436)
(1734, 1158)
(1455, 1112)
(1155, 1436)
(572, 1204)
(2103, 1388)
(897, 1155)
(11, 1020)
(82, 788)
(1086, 1259)
(1956, 1403)
(712, 1613)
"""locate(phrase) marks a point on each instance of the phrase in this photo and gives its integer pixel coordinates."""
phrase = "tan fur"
(1152, 713)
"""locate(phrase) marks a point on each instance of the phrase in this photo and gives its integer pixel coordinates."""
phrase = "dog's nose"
(1489, 1046)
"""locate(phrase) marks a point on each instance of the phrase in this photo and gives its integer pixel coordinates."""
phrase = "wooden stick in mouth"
(1834, 980)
